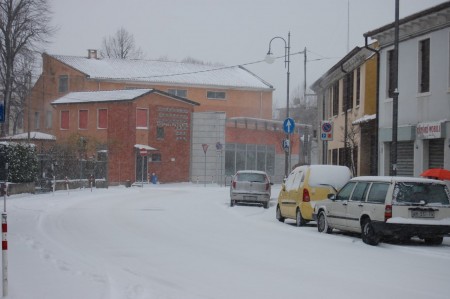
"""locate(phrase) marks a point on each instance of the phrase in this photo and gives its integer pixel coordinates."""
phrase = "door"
(288, 195)
(337, 209)
(356, 205)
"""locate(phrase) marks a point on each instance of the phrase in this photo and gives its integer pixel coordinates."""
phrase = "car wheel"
(299, 221)
(266, 205)
(322, 223)
(368, 233)
(434, 241)
(278, 215)
(232, 203)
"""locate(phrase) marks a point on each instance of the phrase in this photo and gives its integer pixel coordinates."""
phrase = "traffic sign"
(288, 125)
(143, 152)
(285, 144)
(326, 130)
(205, 147)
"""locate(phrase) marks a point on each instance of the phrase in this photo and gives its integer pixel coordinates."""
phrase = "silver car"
(250, 186)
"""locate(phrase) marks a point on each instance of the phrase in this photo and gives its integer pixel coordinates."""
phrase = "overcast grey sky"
(229, 32)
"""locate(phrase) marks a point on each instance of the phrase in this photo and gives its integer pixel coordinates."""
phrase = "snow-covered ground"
(183, 241)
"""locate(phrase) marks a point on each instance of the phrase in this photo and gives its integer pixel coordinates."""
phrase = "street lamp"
(271, 59)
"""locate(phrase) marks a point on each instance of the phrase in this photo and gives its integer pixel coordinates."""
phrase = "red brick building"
(125, 121)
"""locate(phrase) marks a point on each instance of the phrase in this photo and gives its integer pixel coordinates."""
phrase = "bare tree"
(121, 45)
(24, 25)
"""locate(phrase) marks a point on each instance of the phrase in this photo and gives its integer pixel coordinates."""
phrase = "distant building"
(211, 96)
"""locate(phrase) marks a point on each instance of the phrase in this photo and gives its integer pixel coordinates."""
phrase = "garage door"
(436, 153)
(405, 158)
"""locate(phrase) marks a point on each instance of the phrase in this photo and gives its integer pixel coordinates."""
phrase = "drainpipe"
(377, 99)
(346, 115)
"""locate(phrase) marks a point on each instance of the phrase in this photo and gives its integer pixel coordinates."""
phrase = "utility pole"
(393, 169)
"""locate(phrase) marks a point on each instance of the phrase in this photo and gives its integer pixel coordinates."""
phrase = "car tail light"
(306, 197)
(234, 184)
(387, 212)
(267, 186)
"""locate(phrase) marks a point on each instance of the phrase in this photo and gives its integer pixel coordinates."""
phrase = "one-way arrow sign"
(288, 125)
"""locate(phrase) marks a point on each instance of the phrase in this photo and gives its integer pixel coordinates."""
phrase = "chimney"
(92, 54)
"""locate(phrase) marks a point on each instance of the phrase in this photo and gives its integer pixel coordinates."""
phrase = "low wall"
(18, 188)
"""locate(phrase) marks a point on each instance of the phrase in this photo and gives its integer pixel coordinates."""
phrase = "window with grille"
(424, 65)
(215, 95)
(63, 84)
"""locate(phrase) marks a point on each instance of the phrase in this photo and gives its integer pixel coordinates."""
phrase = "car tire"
(299, 221)
(232, 203)
(266, 205)
(434, 241)
(368, 234)
(322, 223)
(278, 215)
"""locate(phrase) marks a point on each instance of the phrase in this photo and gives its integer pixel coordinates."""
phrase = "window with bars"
(424, 65)
(63, 83)
(335, 98)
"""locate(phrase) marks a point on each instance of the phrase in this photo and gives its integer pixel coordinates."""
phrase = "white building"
(424, 91)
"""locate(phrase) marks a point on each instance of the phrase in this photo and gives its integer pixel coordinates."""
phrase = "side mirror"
(283, 187)
(271, 183)
(331, 196)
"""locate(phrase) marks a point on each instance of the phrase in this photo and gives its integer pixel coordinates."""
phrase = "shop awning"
(147, 147)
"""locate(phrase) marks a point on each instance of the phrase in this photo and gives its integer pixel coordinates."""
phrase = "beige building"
(347, 101)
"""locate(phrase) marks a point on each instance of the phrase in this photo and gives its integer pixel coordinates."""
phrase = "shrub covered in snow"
(22, 162)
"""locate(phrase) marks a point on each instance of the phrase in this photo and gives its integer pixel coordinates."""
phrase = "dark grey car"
(250, 186)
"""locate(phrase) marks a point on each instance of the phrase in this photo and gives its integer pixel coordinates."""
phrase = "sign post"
(143, 153)
(288, 127)
(326, 130)
(205, 148)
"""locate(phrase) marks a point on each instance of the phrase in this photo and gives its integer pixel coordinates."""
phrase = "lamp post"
(271, 59)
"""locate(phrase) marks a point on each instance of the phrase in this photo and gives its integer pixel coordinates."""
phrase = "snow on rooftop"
(364, 119)
(33, 136)
(101, 96)
(165, 72)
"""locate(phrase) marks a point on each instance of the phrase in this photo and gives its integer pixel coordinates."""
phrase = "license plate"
(249, 197)
(422, 214)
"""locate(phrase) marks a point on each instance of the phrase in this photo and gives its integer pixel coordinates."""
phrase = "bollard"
(4, 255)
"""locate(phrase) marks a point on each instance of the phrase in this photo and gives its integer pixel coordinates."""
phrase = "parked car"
(250, 186)
(388, 207)
(306, 185)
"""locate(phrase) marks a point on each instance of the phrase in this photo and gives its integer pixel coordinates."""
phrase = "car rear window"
(418, 193)
(251, 177)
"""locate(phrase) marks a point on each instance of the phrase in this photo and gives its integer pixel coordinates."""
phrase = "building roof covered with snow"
(165, 72)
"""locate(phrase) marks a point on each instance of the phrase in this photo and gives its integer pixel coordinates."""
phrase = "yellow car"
(304, 186)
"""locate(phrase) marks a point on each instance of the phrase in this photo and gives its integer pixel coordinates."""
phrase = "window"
(334, 156)
(178, 92)
(83, 119)
(141, 118)
(360, 191)
(424, 65)
(215, 95)
(391, 85)
(348, 92)
(48, 120)
(64, 120)
(378, 192)
(249, 156)
(156, 157)
(336, 98)
(63, 85)
(346, 191)
(102, 118)
(160, 132)
(36, 120)
(358, 86)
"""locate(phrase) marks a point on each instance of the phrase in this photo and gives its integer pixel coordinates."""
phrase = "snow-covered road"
(184, 241)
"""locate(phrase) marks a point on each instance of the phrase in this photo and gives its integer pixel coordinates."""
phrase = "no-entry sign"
(143, 152)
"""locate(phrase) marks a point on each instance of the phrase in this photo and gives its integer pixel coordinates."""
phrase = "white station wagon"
(379, 207)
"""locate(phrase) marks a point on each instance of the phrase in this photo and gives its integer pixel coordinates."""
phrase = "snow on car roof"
(395, 179)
